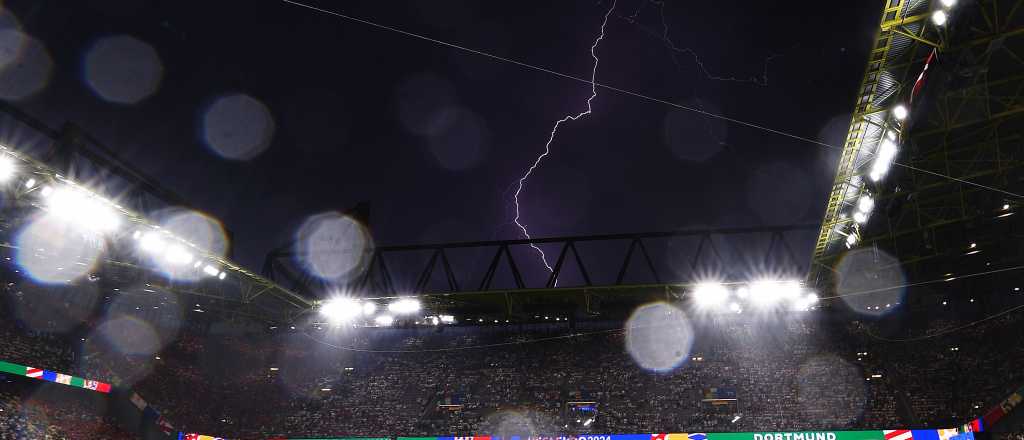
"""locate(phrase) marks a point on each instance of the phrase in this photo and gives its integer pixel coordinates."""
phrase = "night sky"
(434, 137)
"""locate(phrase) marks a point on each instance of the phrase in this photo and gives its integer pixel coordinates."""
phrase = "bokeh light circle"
(12, 39)
(694, 137)
(464, 143)
(129, 335)
(53, 308)
(830, 391)
(123, 69)
(334, 247)
(659, 337)
(202, 230)
(161, 314)
(53, 251)
(421, 100)
(779, 193)
(27, 72)
(870, 281)
(238, 127)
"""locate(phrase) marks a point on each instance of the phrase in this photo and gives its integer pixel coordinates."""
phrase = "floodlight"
(340, 310)
(82, 209)
(735, 307)
(772, 292)
(222, 275)
(152, 242)
(900, 112)
(948, 3)
(742, 293)
(447, 319)
(369, 308)
(939, 18)
(30, 183)
(7, 168)
(860, 217)
(883, 159)
(211, 270)
(46, 191)
(709, 295)
(404, 306)
(176, 254)
(384, 320)
(866, 204)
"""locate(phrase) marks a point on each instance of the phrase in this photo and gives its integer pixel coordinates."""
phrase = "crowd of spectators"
(808, 373)
(31, 410)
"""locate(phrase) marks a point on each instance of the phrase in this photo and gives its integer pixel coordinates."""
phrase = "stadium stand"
(807, 373)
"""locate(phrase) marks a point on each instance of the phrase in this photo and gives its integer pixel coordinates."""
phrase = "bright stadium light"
(30, 183)
(340, 310)
(222, 275)
(369, 308)
(860, 217)
(709, 295)
(939, 18)
(851, 240)
(211, 270)
(900, 112)
(7, 168)
(176, 254)
(404, 306)
(447, 319)
(735, 307)
(82, 209)
(948, 3)
(883, 159)
(768, 293)
(384, 320)
(866, 204)
(152, 242)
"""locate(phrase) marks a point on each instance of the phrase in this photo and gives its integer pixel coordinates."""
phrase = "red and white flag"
(34, 372)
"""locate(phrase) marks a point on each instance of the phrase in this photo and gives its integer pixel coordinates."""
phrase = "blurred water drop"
(778, 193)
(123, 69)
(464, 143)
(659, 337)
(129, 335)
(421, 102)
(238, 127)
(55, 252)
(27, 72)
(868, 280)
(691, 136)
(54, 309)
(334, 247)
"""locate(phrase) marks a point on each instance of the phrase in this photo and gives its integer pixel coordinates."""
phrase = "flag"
(164, 425)
(103, 387)
(90, 384)
(137, 401)
(925, 434)
(898, 434)
(77, 382)
(919, 84)
(49, 376)
(63, 378)
(34, 373)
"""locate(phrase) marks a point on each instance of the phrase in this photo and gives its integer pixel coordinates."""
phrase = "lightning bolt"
(554, 131)
(671, 45)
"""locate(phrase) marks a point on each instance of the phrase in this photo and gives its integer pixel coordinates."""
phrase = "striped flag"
(898, 434)
(49, 376)
(34, 373)
(90, 384)
(102, 387)
(77, 382)
(63, 378)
